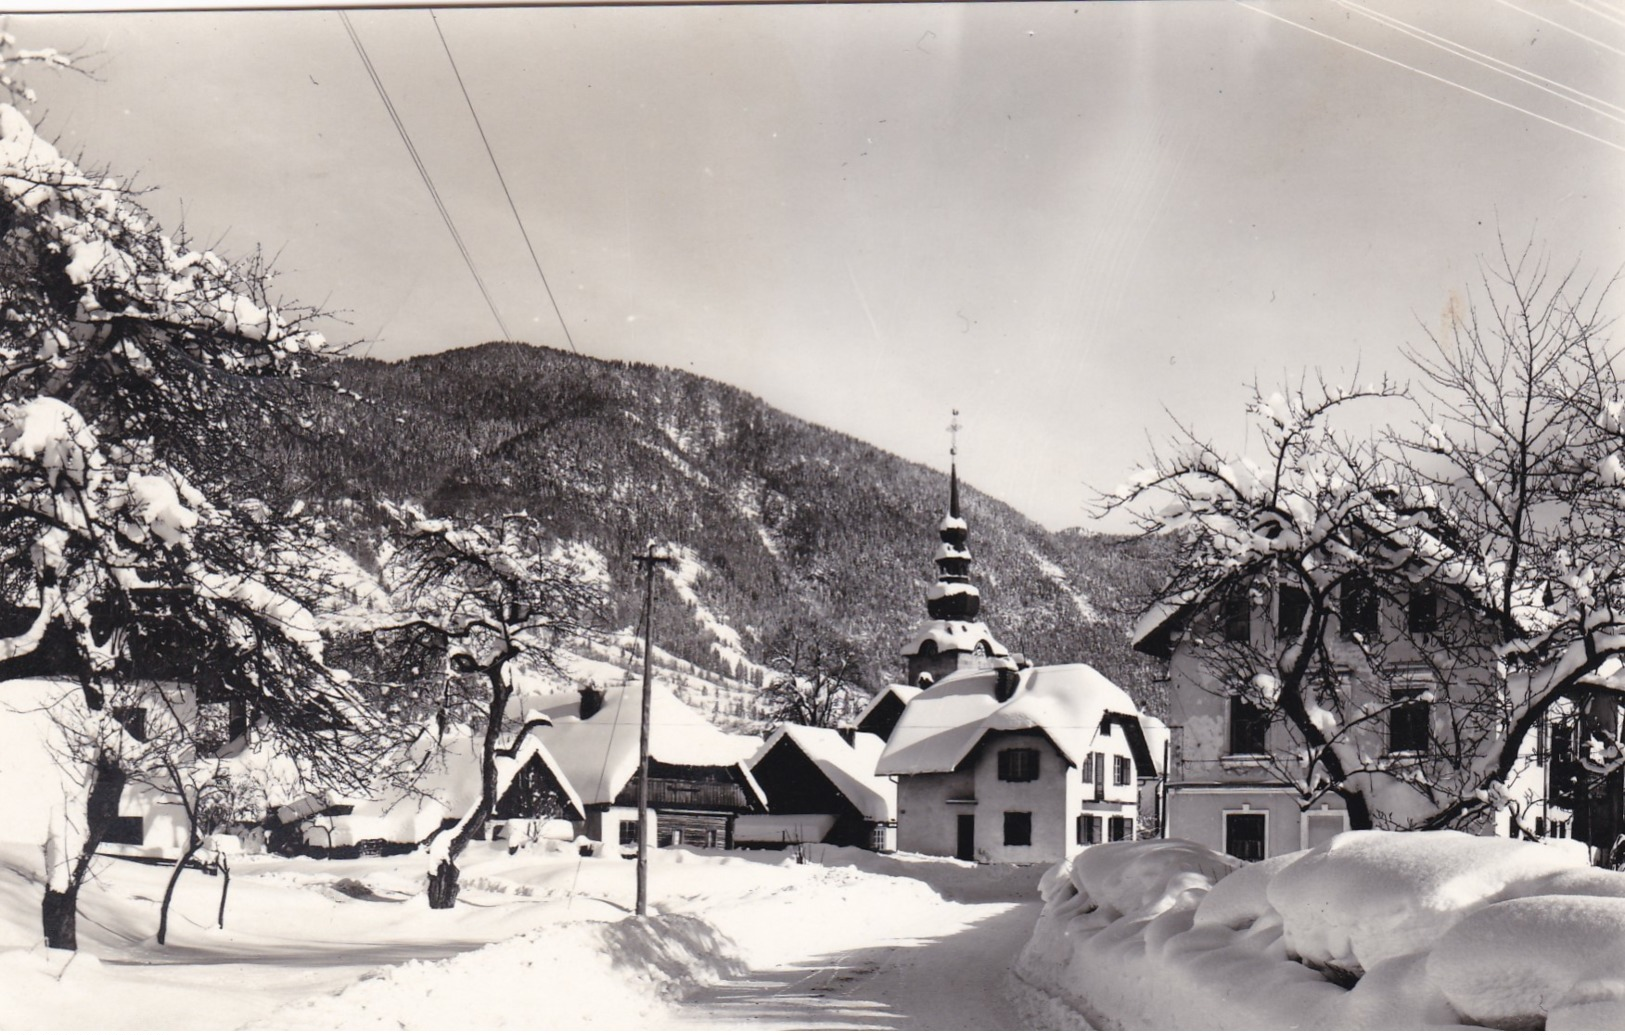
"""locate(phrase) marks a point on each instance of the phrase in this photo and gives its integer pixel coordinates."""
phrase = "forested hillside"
(796, 529)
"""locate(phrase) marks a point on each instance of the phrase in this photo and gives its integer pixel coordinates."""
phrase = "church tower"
(952, 639)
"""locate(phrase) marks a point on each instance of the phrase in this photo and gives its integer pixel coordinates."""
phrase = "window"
(1422, 612)
(1089, 768)
(629, 831)
(1244, 834)
(134, 720)
(1018, 828)
(1249, 727)
(1118, 828)
(1409, 720)
(1358, 613)
(1018, 765)
(1088, 830)
(1291, 607)
(1236, 615)
(1122, 771)
(676, 838)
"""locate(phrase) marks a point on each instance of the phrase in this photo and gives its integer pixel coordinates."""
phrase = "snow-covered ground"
(1372, 930)
(541, 939)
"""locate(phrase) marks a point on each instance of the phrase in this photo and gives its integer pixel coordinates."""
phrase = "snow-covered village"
(769, 516)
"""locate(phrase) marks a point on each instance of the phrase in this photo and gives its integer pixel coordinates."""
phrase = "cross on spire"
(953, 432)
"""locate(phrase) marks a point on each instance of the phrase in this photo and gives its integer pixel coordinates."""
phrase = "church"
(996, 760)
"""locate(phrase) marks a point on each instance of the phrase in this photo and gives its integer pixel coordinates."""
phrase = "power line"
(502, 180)
(1562, 91)
(423, 171)
(1436, 78)
(1560, 25)
(1601, 11)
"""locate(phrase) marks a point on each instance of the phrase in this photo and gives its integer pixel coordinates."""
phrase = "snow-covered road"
(934, 982)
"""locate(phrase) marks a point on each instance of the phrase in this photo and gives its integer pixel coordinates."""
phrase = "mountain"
(782, 526)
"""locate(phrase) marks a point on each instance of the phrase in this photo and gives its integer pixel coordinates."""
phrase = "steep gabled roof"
(850, 767)
(599, 754)
(901, 691)
(946, 721)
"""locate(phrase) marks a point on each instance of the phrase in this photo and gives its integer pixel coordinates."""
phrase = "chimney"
(1005, 679)
(848, 734)
(592, 699)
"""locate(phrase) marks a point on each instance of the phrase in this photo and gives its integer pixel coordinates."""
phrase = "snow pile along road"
(633, 970)
(1372, 930)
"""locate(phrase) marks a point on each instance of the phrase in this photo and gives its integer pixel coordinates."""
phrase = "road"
(938, 982)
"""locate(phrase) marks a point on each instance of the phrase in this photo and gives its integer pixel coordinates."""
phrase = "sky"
(1080, 224)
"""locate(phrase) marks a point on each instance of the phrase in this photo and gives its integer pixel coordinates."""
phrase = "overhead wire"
(1561, 27)
(1562, 91)
(1436, 78)
(491, 154)
(1601, 10)
(423, 171)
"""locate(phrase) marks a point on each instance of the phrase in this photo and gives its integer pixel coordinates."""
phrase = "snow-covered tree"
(1520, 439)
(814, 681)
(1301, 588)
(484, 599)
(133, 373)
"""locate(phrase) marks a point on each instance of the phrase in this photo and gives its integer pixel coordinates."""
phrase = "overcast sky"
(1065, 219)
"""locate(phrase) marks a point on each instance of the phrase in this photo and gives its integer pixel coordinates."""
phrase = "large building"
(1017, 766)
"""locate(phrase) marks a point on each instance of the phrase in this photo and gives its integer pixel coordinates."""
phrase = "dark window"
(1018, 765)
(1089, 768)
(134, 719)
(1018, 828)
(1244, 835)
(1088, 830)
(629, 831)
(1409, 721)
(1249, 727)
(1237, 615)
(1122, 771)
(1422, 611)
(1359, 608)
(1291, 607)
(1118, 828)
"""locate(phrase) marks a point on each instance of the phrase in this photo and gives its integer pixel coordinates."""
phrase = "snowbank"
(1371, 930)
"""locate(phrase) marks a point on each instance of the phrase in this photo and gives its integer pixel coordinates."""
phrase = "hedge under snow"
(1374, 929)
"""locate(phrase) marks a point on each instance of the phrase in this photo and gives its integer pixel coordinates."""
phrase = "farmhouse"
(1022, 766)
(698, 780)
(821, 786)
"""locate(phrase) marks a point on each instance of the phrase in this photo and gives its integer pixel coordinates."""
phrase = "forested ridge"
(797, 527)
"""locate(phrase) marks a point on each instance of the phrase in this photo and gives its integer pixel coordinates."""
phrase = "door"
(967, 839)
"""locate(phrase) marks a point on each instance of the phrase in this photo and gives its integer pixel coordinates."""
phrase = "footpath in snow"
(541, 939)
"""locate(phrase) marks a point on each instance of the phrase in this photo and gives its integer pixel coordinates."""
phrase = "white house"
(1016, 766)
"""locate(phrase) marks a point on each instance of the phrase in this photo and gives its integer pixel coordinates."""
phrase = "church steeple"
(953, 597)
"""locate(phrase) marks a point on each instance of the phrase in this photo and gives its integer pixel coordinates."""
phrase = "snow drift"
(1373, 929)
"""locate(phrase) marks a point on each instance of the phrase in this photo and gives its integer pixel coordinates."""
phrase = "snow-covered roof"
(599, 754)
(949, 718)
(953, 635)
(850, 767)
(939, 590)
(902, 691)
(952, 523)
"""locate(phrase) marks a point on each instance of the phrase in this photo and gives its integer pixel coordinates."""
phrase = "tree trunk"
(169, 888)
(59, 910)
(443, 885)
(225, 886)
(60, 913)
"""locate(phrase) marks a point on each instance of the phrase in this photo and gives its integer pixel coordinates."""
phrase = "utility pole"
(647, 562)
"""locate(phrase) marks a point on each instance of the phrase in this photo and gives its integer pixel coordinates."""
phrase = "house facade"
(1413, 664)
(1017, 766)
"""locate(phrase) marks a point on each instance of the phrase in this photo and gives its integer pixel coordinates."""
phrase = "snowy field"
(539, 940)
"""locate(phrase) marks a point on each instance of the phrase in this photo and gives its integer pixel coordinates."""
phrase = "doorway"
(967, 839)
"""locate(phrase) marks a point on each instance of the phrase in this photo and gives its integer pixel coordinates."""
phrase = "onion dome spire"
(953, 597)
